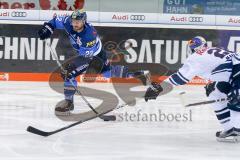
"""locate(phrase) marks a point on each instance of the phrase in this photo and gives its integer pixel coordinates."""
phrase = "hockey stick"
(104, 117)
(46, 134)
(183, 101)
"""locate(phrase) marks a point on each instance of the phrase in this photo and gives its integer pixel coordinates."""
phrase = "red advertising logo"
(4, 77)
(45, 4)
(78, 4)
(16, 5)
(62, 5)
(178, 19)
(4, 14)
(120, 17)
(42, 4)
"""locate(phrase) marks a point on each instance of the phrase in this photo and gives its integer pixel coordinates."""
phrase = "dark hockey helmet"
(79, 15)
(197, 44)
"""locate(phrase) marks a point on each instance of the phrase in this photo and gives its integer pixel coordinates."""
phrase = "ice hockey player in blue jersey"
(222, 68)
(86, 42)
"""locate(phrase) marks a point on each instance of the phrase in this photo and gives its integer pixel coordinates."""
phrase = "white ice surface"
(27, 103)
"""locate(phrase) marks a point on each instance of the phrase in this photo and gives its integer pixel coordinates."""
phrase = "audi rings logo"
(19, 14)
(137, 17)
(195, 19)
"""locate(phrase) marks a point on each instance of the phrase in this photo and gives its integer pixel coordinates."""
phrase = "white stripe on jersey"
(99, 46)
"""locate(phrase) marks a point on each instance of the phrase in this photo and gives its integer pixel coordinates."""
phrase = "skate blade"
(230, 139)
(57, 113)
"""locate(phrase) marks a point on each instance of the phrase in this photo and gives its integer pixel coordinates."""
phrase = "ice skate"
(232, 135)
(64, 107)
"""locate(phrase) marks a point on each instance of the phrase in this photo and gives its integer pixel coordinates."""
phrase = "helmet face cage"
(79, 15)
(197, 43)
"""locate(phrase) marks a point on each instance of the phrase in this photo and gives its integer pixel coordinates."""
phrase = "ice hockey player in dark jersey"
(85, 40)
(222, 68)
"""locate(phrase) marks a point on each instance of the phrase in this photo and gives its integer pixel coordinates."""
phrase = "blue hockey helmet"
(79, 15)
(197, 43)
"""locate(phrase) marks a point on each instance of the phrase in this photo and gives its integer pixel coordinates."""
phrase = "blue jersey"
(86, 42)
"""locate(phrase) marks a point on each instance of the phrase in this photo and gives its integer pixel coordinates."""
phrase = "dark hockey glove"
(68, 72)
(209, 88)
(46, 31)
(222, 86)
(153, 91)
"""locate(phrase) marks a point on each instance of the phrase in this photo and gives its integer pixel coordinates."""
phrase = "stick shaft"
(206, 102)
(183, 101)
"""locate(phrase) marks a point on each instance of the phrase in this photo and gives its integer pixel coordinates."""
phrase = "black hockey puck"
(109, 118)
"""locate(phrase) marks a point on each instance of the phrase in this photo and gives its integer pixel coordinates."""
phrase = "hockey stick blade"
(46, 134)
(37, 131)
